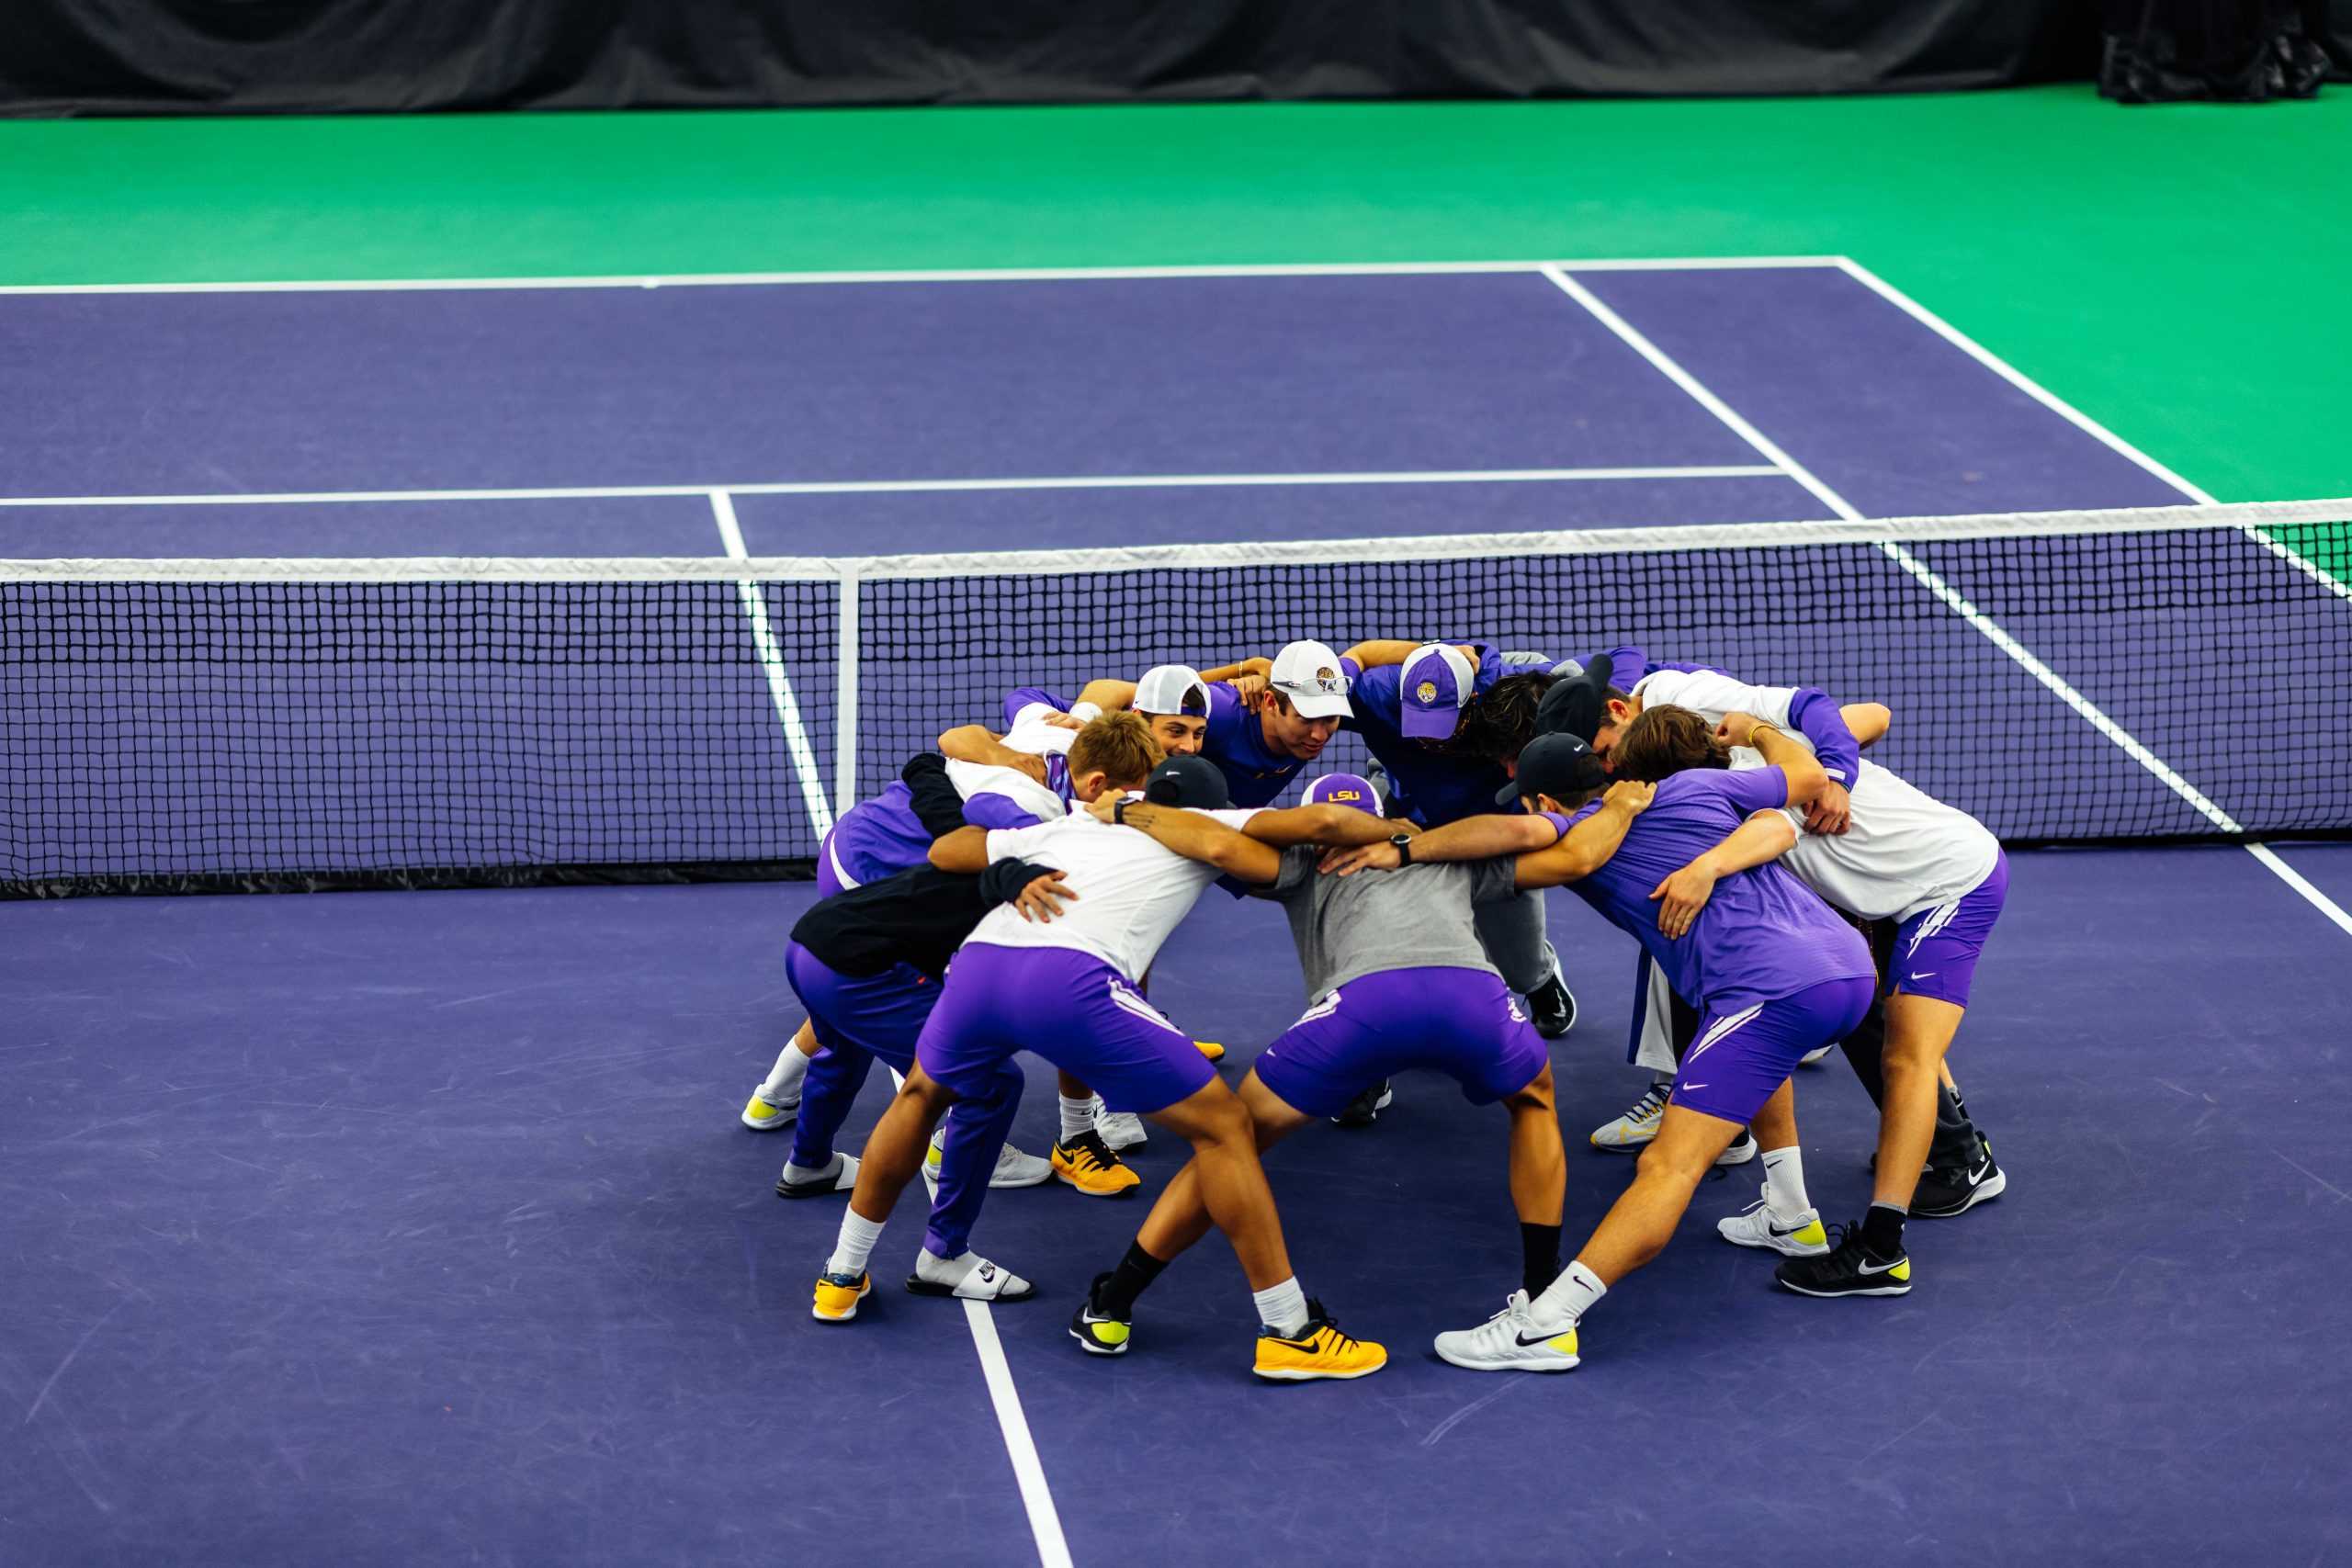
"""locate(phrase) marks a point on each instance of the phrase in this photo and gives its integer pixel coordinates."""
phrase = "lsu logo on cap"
(1328, 679)
(1349, 794)
(1425, 693)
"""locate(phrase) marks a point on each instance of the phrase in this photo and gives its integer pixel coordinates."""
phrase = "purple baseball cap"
(1436, 683)
(1343, 789)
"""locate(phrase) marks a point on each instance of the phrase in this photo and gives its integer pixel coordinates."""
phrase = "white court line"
(922, 486)
(1951, 598)
(2074, 415)
(771, 654)
(1044, 1524)
(958, 275)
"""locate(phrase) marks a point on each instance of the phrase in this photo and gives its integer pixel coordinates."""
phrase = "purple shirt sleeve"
(1560, 823)
(1024, 696)
(990, 809)
(1753, 789)
(1824, 726)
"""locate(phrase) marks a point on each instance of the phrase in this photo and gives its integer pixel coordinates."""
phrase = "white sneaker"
(1740, 1151)
(1511, 1341)
(1013, 1168)
(1810, 1057)
(768, 1115)
(1634, 1130)
(1121, 1130)
(1756, 1226)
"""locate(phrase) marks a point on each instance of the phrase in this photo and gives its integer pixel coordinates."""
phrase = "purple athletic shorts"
(1740, 1056)
(1936, 950)
(881, 1013)
(1461, 1022)
(1071, 1009)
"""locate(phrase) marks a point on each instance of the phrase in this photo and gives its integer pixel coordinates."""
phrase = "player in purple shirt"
(1258, 744)
(1773, 970)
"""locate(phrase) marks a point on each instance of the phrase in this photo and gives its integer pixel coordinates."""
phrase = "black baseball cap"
(1562, 766)
(1576, 704)
(1192, 782)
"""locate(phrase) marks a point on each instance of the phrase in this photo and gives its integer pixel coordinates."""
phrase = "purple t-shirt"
(881, 837)
(1254, 772)
(1763, 933)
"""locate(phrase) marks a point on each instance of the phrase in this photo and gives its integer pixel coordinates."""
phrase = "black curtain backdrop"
(259, 56)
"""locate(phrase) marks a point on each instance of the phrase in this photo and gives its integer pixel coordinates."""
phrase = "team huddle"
(1012, 891)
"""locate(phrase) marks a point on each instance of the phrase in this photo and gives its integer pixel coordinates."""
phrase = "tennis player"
(1396, 979)
(1067, 990)
(867, 965)
(1774, 971)
(1909, 856)
(996, 773)
(1943, 878)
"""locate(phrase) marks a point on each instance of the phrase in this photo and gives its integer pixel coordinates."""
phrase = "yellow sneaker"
(762, 1117)
(1211, 1049)
(838, 1295)
(1319, 1352)
(1087, 1163)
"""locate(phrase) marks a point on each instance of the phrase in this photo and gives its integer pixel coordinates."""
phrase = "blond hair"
(1120, 747)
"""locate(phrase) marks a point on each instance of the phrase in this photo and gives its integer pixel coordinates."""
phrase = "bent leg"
(894, 1150)
(1539, 1162)
(1641, 1221)
(1919, 1030)
(830, 1088)
(1182, 1216)
(1231, 1182)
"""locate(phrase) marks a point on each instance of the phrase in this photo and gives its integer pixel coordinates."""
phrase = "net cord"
(2248, 517)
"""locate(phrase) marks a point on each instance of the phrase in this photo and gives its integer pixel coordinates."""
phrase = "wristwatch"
(1119, 811)
(1404, 842)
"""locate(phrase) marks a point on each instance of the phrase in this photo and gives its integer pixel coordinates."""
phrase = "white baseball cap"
(1310, 675)
(1172, 688)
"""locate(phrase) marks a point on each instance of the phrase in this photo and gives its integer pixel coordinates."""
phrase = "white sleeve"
(1032, 734)
(1713, 694)
(979, 778)
(1236, 817)
(1008, 843)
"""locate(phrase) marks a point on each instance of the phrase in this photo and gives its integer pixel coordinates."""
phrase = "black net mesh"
(411, 731)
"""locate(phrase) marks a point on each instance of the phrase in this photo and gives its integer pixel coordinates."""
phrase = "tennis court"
(418, 1223)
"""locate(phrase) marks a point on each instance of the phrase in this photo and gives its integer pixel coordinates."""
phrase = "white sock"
(783, 1078)
(1570, 1296)
(1784, 1184)
(798, 1173)
(934, 1269)
(1283, 1308)
(856, 1243)
(1077, 1116)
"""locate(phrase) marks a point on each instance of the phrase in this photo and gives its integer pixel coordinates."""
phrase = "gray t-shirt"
(1414, 918)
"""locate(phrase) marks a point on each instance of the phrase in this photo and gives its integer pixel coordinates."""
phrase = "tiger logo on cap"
(1425, 693)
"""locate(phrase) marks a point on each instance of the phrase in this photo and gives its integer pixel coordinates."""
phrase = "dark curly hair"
(1499, 722)
(1662, 741)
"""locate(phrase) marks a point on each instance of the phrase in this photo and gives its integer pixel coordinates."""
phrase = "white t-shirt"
(1712, 694)
(1903, 850)
(1131, 891)
(1029, 733)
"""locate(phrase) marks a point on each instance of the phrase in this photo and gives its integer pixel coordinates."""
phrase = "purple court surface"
(385, 1228)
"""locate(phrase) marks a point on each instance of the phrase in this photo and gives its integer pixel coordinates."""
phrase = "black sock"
(1883, 1229)
(1539, 1252)
(1120, 1288)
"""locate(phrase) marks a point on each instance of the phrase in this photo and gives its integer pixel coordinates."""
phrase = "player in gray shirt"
(1395, 978)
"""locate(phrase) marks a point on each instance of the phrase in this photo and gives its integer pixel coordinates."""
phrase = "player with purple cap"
(1068, 990)
(1773, 970)
(1395, 978)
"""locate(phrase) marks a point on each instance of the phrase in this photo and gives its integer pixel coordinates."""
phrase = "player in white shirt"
(1019, 778)
(1941, 878)
(1067, 990)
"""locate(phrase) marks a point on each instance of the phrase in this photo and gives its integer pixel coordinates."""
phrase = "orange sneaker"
(838, 1295)
(1087, 1163)
(1319, 1352)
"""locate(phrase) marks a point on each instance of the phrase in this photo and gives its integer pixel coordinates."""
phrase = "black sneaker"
(1849, 1269)
(1365, 1108)
(1553, 1008)
(1949, 1189)
(1098, 1334)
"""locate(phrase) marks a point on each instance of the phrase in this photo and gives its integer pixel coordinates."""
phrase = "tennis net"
(216, 725)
